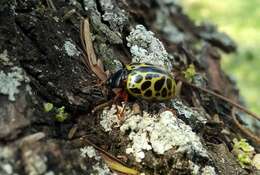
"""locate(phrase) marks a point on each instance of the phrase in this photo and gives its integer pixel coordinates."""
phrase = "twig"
(95, 65)
(101, 106)
(253, 115)
(113, 163)
(245, 130)
(84, 140)
(72, 131)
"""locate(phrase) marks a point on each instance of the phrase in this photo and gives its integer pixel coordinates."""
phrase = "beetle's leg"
(124, 96)
(120, 114)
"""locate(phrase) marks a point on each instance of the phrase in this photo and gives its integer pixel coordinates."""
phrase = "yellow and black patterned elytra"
(144, 81)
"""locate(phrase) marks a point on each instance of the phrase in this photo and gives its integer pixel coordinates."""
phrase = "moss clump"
(244, 152)
(61, 115)
(189, 73)
(58, 114)
(47, 107)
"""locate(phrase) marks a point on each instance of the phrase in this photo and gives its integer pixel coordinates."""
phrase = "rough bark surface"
(41, 61)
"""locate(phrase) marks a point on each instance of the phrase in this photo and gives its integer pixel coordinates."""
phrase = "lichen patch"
(4, 58)
(100, 166)
(156, 132)
(109, 119)
(160, 134)
(9, 82)
(146, 48)
(71, 49)
(89, 151)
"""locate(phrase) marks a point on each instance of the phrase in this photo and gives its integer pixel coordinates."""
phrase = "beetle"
(144, 81)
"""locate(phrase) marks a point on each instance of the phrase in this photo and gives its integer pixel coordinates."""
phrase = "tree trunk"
(47, 93)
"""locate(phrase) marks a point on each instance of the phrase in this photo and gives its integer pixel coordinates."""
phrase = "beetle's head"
(117, 80)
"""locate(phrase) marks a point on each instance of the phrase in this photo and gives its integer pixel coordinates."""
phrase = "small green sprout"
(61, 115)
(189, 73)
(47, 107)
(244, 152)
(58, 114)
(242, 144)
(244, 160)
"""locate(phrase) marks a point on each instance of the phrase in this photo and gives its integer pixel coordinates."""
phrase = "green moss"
(244, 152)
(61, 115)
(47, 107)
(243, 145)
(244, 159)
(58, 114)
(189, 73)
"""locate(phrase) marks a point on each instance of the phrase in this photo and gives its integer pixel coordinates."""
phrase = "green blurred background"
(240, 19)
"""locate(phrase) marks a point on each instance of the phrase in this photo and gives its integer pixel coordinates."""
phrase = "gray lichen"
(9, 82)
(114, 15)
(7, 168)
(159, 133)
(256, 161)
(7, 160)
(208, 170)
(89, 151)
(109, 119)
(35, 164)
(99, 168)
(194, 168)
(98, 25)
(110, 58)
(6, 153)
(50, 173)
(144, 47)
(4, 58)
(71, 49)
(188, 112)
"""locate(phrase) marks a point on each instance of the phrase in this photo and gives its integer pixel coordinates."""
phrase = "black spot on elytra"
(159, 84)
(138, 78)
(169, 83)
(164, 92)
(157, 94)
(146, 85)
(148, 93)
(135, 90)
(150, 76)
(132, 67)
(169, 94)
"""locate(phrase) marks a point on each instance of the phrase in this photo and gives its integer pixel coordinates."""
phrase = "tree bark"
(41, 62)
